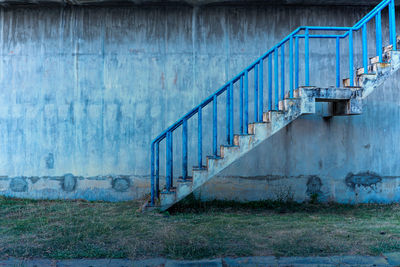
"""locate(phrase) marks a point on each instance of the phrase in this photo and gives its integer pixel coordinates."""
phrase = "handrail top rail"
(371, 14)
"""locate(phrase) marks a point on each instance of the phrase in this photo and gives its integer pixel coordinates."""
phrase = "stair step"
(287, 103)
(346, 83)
(172, 190)
(362, 77)
(242, 139)
(252, 126)
(387, 49)
(296, 93)
(168, 197)
(214, 157)
(374, 60)
(197, 168)
(270, 116)
(385, 59)
(212, 160)
(198, 173)
(360, 71)
(226, 150)
(374, 68)
(188, 179)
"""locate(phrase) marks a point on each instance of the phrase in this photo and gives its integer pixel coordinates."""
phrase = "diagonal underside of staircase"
(345, 101)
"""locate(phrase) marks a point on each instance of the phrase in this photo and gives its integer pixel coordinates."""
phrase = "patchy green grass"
(193, 230)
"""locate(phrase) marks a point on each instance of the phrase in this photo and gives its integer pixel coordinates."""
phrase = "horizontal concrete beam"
(190, 2)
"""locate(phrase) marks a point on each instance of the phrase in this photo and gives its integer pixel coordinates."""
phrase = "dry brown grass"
(78, 229)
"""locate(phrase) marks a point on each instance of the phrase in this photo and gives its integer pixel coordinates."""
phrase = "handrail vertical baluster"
(351, 59)
(246, 101)
(269, 82)
(200, 138)
(276, 103)
(157, 169)
(337, 61)
(169, 167)
(184, 150)
(365, 48)
(283, 71)
(228, 114)
(232, 114)
(392, 24)
(241, 105)
(291, 66)
(307, 58)
(215, 126)
(296, 63)
(152, 182)
(256, 93)
(378, 24)
(261, 91)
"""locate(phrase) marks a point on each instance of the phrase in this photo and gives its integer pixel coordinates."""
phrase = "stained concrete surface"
(85, 89)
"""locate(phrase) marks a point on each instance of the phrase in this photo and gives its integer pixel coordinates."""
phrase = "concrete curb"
(388, 259)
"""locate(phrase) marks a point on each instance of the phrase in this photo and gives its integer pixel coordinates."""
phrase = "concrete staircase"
(344, 101)
(285, 103)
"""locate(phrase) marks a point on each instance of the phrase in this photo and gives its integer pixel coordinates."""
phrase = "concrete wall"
(85, 89)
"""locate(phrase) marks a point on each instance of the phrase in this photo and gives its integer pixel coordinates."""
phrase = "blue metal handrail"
(257, 67)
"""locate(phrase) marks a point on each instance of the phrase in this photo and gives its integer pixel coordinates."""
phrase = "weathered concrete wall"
(84, 90)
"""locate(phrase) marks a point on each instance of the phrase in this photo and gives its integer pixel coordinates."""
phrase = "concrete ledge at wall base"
(69, 186)
(363, 187)
(389, 259)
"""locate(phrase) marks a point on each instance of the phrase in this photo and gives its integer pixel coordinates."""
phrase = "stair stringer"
(258, 133)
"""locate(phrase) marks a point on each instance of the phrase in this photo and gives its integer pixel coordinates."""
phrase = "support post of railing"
(276, 54)
(256, 93)
(228, 114)
(246, 101)
(184, 150)
(296, 63)
(307, 57)
(351, 59)
(378, 24)
(291, 66)
(241, 105)
(283, 71)
(231, 116)
(200, 138)
(152, 200)
(215, 124)
(392, 24)
(261, 92)
(169, 167)
(337, 61)
(365, 48)
(158, 169)
(269, 82)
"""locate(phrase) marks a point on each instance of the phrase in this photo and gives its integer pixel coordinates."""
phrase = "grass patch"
(194, 230)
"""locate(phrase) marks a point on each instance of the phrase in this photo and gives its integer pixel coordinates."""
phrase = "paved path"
(388, 259)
